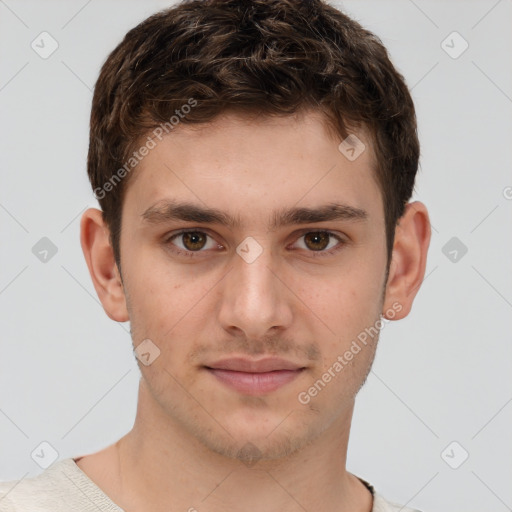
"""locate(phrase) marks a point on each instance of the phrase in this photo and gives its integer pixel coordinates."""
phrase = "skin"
(192, 434)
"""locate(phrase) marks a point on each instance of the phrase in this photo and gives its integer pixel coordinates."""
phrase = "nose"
(255, 300)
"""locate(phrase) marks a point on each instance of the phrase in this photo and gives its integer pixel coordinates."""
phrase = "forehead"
(247, 164)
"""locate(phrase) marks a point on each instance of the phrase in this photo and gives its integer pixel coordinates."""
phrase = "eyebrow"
(169, 210)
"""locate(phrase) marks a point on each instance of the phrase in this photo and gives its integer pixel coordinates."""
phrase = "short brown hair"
(270, 57)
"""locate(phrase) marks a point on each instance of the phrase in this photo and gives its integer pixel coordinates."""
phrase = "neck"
(159, 466)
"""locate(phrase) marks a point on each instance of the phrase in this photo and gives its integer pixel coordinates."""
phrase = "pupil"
(195, 240)
(322, 238)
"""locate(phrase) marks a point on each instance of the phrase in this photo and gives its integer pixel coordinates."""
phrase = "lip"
(254, 377)
(241, 364)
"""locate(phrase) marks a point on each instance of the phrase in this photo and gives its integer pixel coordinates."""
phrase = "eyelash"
(315, 254)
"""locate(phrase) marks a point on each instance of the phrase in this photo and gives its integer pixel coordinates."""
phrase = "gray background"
(443, 374)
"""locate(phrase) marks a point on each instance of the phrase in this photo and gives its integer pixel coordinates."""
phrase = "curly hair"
(201, 58)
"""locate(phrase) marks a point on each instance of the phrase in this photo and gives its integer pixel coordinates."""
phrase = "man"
(253, 161)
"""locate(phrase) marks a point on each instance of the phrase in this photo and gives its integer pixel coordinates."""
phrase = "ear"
(99, 255)
(408, 260)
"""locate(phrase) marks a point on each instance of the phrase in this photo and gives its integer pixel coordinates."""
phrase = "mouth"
(253, 377)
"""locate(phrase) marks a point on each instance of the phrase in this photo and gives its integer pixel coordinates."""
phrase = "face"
(259, 303)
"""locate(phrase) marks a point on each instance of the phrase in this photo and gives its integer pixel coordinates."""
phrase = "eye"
(317, 242)
(191, 241)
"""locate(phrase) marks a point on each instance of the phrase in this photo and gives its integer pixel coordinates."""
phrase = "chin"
(252, 449)
(251, 440)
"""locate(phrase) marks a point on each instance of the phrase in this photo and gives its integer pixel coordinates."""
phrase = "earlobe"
(409, 258)
(99, 255)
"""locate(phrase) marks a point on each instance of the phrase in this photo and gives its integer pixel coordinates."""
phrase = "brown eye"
(194, 240)
(190, 242)
(321, 243)
(317, 241)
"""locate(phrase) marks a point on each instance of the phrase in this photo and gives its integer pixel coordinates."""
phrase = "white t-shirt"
(64, 487)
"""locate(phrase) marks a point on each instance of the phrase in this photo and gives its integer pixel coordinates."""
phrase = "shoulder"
(60, 488)
(37, 493)
(380, 504)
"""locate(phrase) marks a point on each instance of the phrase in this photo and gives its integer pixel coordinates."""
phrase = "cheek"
(346, 299)
(350, 306)
(166, 307)
(150, 298)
